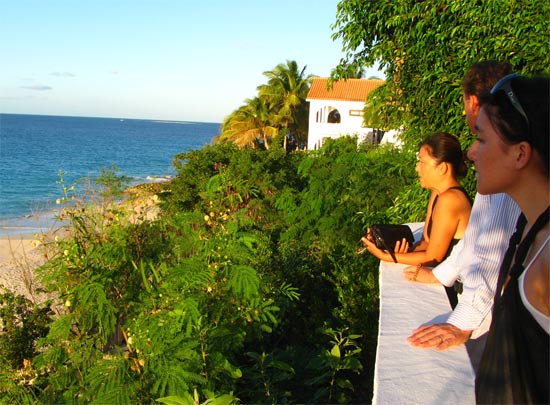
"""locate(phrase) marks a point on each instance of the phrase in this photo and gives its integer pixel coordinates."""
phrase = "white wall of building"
(351, 120)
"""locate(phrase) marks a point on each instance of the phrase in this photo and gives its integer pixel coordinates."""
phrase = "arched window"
(334, 117)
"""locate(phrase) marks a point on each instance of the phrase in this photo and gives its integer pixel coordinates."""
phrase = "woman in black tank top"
(452, 291)
(440, 165)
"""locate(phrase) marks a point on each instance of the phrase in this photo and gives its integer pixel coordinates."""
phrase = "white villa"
(339, 111)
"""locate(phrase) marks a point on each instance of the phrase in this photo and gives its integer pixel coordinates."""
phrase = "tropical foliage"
(250, 125)
(279, 108)
(425, 48)
(251, 291)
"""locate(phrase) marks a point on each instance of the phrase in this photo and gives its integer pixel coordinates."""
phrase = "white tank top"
(542, 319)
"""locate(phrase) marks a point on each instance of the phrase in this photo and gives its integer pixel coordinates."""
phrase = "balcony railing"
(405, 374)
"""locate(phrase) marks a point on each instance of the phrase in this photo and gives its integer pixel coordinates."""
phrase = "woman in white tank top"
(511, 156)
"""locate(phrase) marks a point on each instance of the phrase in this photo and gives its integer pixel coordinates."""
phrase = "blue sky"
(190, 60)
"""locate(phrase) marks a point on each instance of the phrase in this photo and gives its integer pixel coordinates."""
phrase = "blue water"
(35, 148)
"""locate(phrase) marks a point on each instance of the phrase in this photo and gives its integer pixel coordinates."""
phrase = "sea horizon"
(35, 149)
(160, 120)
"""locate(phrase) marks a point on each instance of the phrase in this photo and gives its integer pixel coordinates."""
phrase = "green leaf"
(244, 281)
(225, 399)
(177, 400)
(233, 371)
(335, 352)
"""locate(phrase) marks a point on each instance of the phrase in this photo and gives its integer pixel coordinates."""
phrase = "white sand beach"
(19, 256)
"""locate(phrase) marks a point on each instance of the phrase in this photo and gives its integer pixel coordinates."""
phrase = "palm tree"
(249, 124)
(286, 91)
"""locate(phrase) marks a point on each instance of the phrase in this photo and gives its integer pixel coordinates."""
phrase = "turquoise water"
(35, 148)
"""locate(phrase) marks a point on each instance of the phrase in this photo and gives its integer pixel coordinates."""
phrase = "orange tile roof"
(345, 90)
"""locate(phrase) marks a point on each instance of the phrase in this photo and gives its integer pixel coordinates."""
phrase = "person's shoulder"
(542, 242)
(455, 196)
(452, 202)
(541, 264)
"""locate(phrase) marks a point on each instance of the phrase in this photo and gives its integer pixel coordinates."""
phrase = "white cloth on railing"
(405, 374)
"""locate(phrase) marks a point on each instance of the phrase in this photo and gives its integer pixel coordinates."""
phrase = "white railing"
(407, 375)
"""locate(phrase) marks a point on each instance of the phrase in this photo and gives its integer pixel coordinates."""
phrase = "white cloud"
(62, 74)
(37, 87)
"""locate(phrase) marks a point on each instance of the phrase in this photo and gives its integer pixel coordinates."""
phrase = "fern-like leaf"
(244, 282)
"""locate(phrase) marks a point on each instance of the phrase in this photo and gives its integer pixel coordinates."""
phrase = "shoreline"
(22, 251)
(31, 224)
(46, 220)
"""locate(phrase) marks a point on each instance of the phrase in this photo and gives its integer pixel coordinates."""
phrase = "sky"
(185, 60)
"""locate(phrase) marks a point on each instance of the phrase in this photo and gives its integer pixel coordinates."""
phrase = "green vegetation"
(247, 288)
(425, 47)
(279, 111)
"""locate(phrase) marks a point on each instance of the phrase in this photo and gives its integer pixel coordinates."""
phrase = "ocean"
(34, 149)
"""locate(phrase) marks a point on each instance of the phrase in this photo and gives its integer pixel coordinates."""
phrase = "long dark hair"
(444, 147)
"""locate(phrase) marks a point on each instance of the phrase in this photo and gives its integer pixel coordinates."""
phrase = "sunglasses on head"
(505, 85)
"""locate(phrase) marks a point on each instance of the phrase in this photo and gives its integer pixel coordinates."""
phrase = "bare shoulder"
(454, 198)
(542, 264)
(537, 278)
(454, 193)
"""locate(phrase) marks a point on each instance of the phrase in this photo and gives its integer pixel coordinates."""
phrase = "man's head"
(478, 81)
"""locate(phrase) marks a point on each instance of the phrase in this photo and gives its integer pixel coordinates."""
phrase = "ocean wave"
(159, 179)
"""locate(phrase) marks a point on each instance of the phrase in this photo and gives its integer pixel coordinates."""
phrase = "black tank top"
(430, 221)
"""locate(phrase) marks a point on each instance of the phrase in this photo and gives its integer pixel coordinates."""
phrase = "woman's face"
(492, 158)
(427, 168)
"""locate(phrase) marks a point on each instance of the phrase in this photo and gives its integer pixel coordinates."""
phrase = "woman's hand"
(369, 244)
(401, 246)
(420, 274)
(440, 336)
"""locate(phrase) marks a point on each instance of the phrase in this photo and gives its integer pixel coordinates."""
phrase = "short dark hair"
(482, 76)
(445, 147)
(533, 95)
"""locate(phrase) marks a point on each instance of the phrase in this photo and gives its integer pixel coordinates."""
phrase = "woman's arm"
(380, 254)
(449, 211)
